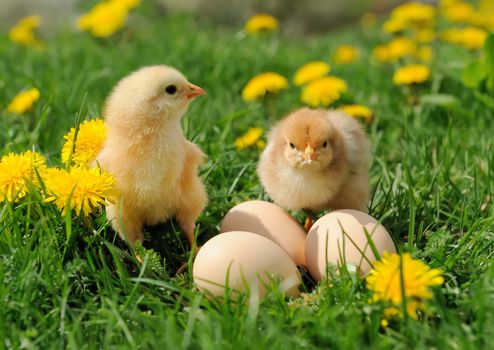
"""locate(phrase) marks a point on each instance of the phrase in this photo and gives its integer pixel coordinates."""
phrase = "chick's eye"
(324, 144)
(171, 89)
(292, 145)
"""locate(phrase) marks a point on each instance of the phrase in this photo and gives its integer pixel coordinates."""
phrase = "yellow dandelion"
(128, 4)
(310, 71)
(425, 35)
(424, 53)
(24, 101)
(459, 12)
(262, 84)
(411, 74)
(395, 25)
(358, 111)
(414, 13)
(392, 277)
(381, 53)
(346, 54)
(105, 18)
(17, 171)
(90, 139)
(261, 22)
(401, 47)
(86, 189)
(23, 31)
(323, 91)
(471, 38)
(250, 138)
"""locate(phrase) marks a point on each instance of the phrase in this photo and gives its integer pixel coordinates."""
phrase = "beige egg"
(270, 221)
(339, 238)
(244, 261)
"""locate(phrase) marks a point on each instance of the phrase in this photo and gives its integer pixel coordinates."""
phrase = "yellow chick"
(317, 159)
(154, 165)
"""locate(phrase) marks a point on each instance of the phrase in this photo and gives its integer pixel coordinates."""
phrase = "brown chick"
(154, 165)
(317, 159)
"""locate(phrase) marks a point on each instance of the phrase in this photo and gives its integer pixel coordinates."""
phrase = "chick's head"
(309, 139)
(155, 91)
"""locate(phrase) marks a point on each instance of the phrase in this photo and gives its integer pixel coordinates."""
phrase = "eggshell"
(241, 261)
(270, 221)
(329, 230)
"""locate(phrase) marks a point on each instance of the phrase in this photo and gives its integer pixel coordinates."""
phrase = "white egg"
(340, 238)
(270, 221)
(244, 261)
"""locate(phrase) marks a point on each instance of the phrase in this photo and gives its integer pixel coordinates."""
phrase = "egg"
(244, 261)
(268, 220)
(340, 235)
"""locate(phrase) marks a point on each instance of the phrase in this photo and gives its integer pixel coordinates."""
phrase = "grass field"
(69, 283)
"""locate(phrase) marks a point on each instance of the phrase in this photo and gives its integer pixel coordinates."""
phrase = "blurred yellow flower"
(401, 47)
(23, 101)
(86, 189)
(261, 22)
(470, 37)
(129, 4)
(105, 18)
(460, 12)
(17, 171)
(23, 31)
(395, 25)
(323, 91)
(394, 277)
(250, 138)
(310, 71)
(411, 74)
(358, 111)
(425, 35)
(262, 84)
(90, 139)
(381, 53)
(346, 54)
(414, 13)
(424, 53)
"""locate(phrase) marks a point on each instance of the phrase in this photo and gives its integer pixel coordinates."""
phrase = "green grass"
(69, 284)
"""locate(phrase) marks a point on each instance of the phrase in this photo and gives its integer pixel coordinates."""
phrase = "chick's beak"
(193, 91)
(310, 153)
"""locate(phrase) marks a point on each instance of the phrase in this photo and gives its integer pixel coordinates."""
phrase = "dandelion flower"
(346, 54)
(250, 138)
(323, 91)
(85, 189)
(401, 47)
(471, 38)
(460, 12)
(381, 53)
(358, 111)
(310, 71)
(262, 84)
(411, 74)
(414, 13)
(90, 139)
(23, 31)
(105, 18)
(385, 281)
(395, 25)
(261, 22)
(425, 36)
(24, 101)
(424, 53)
(17, 171)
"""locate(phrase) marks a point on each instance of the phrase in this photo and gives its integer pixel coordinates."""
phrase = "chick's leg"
(192, 203)
(125, 221)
